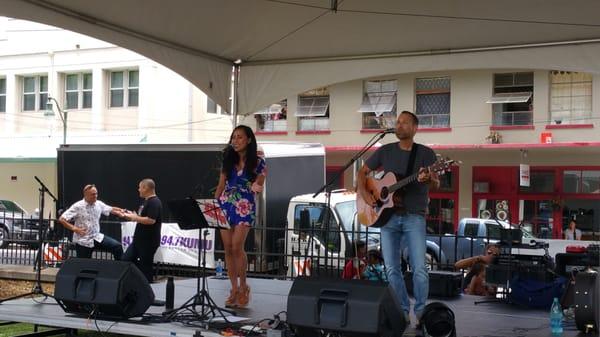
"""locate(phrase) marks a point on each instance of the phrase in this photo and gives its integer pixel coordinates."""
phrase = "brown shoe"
(243, 297)
(231, 301)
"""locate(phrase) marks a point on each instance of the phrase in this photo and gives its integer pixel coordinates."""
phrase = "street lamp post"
(62, 113)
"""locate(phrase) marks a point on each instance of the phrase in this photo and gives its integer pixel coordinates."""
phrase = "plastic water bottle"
(219, 269)
(556, 317)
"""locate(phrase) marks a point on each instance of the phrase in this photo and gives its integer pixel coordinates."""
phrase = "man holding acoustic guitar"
(399, 206)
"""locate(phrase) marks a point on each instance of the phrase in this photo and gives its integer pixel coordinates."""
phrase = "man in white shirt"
(83, 219)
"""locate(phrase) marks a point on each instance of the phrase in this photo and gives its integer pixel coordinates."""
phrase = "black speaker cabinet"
(587, 306)
(351, 307)
(108, 289)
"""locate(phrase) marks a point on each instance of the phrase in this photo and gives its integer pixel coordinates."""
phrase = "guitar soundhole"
(384, 193)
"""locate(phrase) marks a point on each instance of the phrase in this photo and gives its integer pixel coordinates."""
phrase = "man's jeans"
(401, 231)
(107, 243)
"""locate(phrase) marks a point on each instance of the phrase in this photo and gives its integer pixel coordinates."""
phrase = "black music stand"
(188, 215)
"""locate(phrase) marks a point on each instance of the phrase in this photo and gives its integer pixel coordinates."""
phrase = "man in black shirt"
(146, 238)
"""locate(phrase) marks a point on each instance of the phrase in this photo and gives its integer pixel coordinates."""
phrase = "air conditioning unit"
(481, 187)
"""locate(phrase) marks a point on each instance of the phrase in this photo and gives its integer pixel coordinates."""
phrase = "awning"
(378, 102)
(312, 106)
(513, 97)
(270, 110)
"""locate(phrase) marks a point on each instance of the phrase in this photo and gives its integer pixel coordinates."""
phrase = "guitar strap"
(398, 205)
(411, 160)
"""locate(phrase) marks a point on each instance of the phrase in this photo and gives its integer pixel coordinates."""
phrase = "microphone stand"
(376, 138)
(37, 288)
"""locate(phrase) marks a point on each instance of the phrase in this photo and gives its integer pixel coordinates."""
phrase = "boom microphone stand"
(339, 173)
(37, 288)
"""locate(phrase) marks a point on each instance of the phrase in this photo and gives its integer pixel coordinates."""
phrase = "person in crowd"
(375, 270)
(83, 219)
(490, 253)
(355, 266)
(572, 233)
(243, 175)
(406, 227)
(146, 237)
(476, 285)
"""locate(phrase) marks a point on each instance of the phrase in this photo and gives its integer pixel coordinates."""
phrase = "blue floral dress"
(237, 199)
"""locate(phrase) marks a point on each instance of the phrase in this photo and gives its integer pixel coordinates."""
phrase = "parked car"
(16, 224)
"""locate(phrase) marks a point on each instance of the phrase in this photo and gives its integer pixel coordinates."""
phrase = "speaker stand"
(37, 288)
(209, 309)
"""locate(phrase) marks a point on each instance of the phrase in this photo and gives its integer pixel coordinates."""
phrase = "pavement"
(26, 272)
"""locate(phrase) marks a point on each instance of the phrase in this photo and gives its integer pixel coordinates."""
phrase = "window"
(440, 217)
(494, 231)
(326, 233)
(570, 97)
(10, 206)
(35, 93)
(433, 102)
(537, 215)
(272, 118)
(379, 104)
(78, 91)
(313, 110)
(2, 94)
(581, 181)
(211, 106)
(124, 88)
(539, 182)
(512, 101)
(471, 229)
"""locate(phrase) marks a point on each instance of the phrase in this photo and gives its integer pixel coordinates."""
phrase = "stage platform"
(270, 297)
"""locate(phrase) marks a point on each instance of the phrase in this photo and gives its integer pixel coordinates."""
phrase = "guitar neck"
(403, 182)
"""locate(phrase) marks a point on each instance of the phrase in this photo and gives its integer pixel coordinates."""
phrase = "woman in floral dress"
(242, 177)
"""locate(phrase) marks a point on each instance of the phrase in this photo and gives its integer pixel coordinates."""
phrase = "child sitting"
(375, 270)
(476, 285)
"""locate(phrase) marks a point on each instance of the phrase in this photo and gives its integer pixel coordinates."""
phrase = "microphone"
(390, 130)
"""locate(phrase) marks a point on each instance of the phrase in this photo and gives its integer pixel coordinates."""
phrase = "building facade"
(108, 94)
(492, 120)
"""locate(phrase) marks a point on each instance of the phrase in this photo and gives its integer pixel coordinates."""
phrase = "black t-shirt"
(149, 235)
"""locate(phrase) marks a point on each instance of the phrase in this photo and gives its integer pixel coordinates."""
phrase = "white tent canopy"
(290, 46)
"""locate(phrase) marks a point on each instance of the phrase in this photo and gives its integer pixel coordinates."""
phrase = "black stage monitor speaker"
(351, 307)
(587, 305)
(102, 288)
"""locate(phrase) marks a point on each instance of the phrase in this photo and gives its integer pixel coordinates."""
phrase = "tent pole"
(234, 95)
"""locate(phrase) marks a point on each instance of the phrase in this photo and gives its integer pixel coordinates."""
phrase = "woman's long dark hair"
(231, 158)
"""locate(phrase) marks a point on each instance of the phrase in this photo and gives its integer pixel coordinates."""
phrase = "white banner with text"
(177, 246)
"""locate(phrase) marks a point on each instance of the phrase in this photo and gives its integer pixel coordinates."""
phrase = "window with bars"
(124, 88)
(378, 106)
(313, 110)
(35, 93)
(512, 102)
(78, 91)
(2, 94)
(433, 102)
(570, 97)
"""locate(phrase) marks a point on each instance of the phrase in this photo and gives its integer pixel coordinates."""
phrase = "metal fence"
(274, 252)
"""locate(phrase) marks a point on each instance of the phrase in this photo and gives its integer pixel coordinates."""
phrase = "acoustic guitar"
(388, 193)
